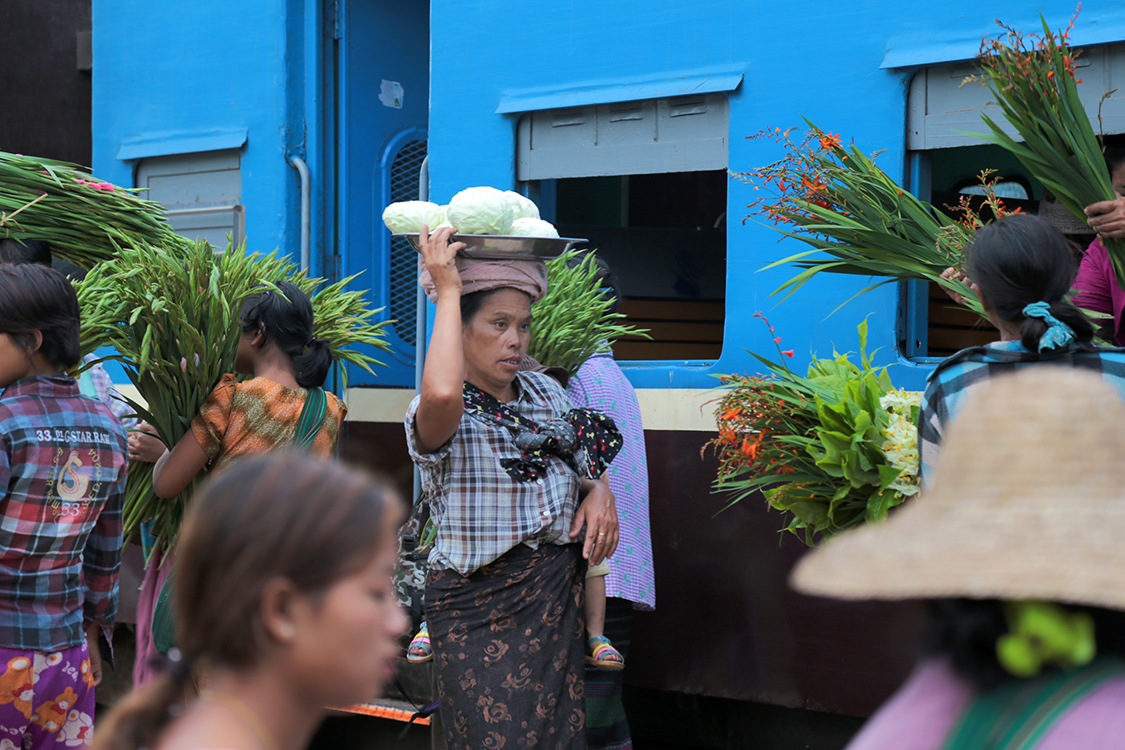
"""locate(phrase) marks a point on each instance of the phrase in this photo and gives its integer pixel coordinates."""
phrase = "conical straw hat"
(1028, 502)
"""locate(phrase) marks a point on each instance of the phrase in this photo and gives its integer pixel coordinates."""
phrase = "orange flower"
(829, 141)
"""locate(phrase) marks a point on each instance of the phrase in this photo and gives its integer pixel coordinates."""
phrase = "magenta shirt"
(1098, 289)
(923, 711)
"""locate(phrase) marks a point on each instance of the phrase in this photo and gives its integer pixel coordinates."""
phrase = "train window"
(202, 192)
(645, 181)
(944, 164)
(665, 237)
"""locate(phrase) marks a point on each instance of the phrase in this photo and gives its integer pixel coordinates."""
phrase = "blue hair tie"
(1058, 335)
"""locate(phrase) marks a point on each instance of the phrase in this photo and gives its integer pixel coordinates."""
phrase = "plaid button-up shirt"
(973, 368)
(62, 477)
(480, 511)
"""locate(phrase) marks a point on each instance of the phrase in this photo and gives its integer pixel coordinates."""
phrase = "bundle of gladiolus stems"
(84, 219)
(171, 314)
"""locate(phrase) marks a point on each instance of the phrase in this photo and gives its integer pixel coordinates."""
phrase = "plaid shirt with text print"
(63, 459)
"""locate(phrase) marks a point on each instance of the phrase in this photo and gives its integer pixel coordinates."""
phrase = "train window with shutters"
(665, 237)
(944, 163)
(202, 193)
(646, 183)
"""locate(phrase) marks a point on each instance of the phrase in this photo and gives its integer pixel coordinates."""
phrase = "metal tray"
(505, 247)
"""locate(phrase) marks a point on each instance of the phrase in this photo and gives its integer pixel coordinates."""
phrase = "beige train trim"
(673, 409)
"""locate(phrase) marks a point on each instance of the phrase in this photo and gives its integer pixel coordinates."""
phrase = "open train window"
(665, 237)
(646, 183)
(944, 164)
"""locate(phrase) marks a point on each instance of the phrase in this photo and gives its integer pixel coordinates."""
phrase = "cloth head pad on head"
(477, 275)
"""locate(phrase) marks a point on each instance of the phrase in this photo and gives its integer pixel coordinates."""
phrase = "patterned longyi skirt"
(508, 651)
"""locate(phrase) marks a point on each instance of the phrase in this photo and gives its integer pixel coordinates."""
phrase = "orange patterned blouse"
(257, 416)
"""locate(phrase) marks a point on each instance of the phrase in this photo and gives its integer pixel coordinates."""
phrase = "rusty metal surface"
(726, 623)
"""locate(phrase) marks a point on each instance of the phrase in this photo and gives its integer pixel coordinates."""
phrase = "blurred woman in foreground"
(285, 602)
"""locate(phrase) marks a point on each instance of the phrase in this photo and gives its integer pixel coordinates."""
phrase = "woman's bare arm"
(439, 412)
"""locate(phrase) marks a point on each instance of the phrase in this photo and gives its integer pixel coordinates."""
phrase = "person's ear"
(259, 339)
(279, 601)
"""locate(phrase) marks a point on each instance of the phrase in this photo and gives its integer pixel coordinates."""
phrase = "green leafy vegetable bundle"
(171, 312)
(831, 450)
(573, 322)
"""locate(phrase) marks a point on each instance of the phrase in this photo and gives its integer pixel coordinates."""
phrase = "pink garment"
(144, 668)
(528, 276)
(923, 711)
(1098, 289)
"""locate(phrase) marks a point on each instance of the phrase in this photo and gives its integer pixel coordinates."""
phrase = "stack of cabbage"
(476, 210)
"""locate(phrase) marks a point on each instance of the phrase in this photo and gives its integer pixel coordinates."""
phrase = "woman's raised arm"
(440, 410)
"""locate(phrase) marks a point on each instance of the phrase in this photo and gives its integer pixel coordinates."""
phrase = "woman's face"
(495, 339)
(1117, 177)
(347, 637)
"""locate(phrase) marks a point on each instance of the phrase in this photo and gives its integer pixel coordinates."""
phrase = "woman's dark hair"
(1113, 149)
(39, 298)
(966, 631)
(1021, 259)
(25, 251)
(283, 515)
(285, 316)
(472, 302)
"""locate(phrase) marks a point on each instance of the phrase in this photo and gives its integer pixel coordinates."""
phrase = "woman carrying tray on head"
(512, 473)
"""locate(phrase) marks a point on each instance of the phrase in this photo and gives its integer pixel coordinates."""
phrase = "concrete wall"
(46, 106)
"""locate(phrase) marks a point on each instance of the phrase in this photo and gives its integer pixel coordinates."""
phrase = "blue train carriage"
(622, 121)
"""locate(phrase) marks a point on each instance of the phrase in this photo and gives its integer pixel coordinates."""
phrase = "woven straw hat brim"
(1028, 502)
(1055, 556)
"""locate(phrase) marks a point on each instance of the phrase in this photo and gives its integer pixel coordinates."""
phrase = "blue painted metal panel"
(384, 100)
(189, 71)
(676, 83)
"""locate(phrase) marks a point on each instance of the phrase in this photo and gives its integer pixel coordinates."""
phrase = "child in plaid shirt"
(62, 487)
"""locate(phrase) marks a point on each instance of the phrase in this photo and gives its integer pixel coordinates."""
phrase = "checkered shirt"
(62, 478)
(973, 368)
(480, 511)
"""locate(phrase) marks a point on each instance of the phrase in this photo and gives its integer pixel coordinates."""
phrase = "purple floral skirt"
(508, 651)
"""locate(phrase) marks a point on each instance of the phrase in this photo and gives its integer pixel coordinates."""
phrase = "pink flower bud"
(183, 363)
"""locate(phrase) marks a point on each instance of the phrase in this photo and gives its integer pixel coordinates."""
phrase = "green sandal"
(603, 655)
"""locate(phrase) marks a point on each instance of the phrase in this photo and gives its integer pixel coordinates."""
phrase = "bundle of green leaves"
(1033, 80)
(831, 450)
(83, 219)
(856, 218)
(573, 321)
(172, 314)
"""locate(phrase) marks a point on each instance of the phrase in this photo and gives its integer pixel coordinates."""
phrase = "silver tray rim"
(550, 247)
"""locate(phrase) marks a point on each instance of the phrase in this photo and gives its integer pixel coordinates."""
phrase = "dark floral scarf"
(591, 431)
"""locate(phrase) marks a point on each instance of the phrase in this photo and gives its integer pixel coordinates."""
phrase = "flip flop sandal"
(421, 645)
(602, 654)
